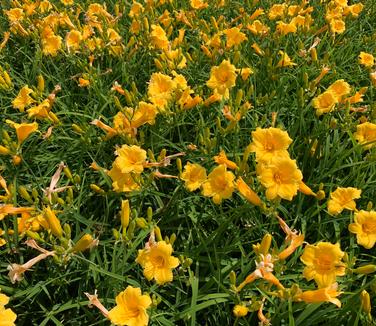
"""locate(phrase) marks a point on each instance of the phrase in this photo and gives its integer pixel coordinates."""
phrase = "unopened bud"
(83, 244)
(53, 222)
(366, 269)
(158, 233)
(141, 222)
(40, 83)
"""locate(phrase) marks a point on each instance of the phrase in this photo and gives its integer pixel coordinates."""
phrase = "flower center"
(324, 262)
(159, 261)
(369, 227)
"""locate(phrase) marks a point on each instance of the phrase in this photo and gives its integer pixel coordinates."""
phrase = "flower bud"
(40, 86)
(149, 213)
(366, 269)
(53, 222)
(158, 233)
(265, 244)
(172, 239)
(125, 213)
(24, 194)
(365, 302)
(141, 222)
(83, 244)
(232, 278)
(4, 150)
(16, 159)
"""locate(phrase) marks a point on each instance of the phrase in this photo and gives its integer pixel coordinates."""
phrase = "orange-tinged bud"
(16, 159)
(83, 244)
(53, 222)
(247, 192)
(305, 189)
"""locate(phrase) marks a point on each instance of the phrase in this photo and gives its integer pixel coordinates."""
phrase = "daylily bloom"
(269, 143)
(343, 198)
(157, 261)
(130, 308)
(281, 178)
(23, 99)
(193, 175)
(222, 78)
(130, 159)
(366, 134)
(219, 185)
(23, 130)
(221, 158)
(323, 263)
(364, 227)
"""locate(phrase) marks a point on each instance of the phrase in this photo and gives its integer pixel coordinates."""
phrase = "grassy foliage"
(217, 238)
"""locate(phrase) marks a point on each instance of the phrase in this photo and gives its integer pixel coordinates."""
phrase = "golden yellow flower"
(258, 28)
(130, 159)
(73, 40)
(234, 37)
(281, 178)
(221, 158)
(325, 294)
(323, 263)
(343, 198)
(194, 176)
(130, 308)
(276, 11)
(337, 26)
(222, 78)
(23, 130)
(7, 317)
(160, 89)
(268, 143)
(51, 43)
(240, 310)
(366, 59)
(285, 60)
(136, 9)
(284, 28)
(145, 113)
(339, 88)
(40, 111)
(364, 227)
(84, 243)
(123, 182)
(325, 102)
(198, 4)
(158, 37)
(23, 99)
(219, 184)
(158, 262)
(366, 134)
